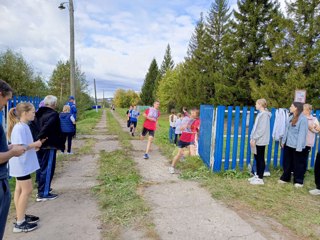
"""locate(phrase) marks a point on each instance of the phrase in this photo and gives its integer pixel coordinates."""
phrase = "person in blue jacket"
(67, 123)
(73, 111)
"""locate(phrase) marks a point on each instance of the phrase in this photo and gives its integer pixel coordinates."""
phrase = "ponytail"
(12, 120)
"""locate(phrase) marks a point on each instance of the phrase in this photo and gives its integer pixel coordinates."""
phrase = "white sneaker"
(298, 185)
(252, 178)
(266, 174)
(315, 192)
(171, 170)
(282, 182)
(257, 181)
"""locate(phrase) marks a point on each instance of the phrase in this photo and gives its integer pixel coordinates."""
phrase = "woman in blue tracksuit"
(293, 142)
(67, 123)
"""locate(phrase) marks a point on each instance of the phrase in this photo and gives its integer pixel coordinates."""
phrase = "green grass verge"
(88, 121)
(294, 208)
(119, 184)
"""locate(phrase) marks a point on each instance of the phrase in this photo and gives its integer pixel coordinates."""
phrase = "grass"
(88, 121)
(294, 208)
(119, 184)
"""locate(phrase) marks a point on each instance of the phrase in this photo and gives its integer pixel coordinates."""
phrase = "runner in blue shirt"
(134, 114)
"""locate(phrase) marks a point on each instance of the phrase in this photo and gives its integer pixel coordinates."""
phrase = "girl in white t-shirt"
(21, 167)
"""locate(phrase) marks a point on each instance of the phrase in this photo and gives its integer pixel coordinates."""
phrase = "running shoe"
(146, 156)
(257, 181)
(252, 178)
(315, 192)
(298, 185)
(24, 227)
(31, 218)
(171, 170)
(51, 196)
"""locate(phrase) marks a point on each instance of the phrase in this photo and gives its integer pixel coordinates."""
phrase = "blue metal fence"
(224, 141)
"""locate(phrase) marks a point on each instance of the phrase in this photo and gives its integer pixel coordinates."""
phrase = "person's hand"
(42, 141)
(252, 143)
(317, 128)
(38, 144)
(282, 145)
(10, 146)
(18, 150)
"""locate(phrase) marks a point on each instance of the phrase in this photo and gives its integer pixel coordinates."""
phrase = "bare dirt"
(75, 214)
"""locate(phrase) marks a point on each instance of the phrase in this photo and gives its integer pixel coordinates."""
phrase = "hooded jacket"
(261, 129)
(48, 122)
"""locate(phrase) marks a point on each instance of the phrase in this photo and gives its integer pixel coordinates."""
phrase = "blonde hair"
(262, 102)
(15, 114)
(307, 107)
(66, 108)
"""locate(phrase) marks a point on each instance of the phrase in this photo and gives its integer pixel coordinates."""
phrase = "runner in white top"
(21, 167)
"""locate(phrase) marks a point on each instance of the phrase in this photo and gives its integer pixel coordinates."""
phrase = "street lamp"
(72, 58)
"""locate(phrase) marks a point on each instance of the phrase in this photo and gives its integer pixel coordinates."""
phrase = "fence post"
(251, 122)
(273, 111)
(227, 156)
(235, 138)
(219, 139)
(243, 136)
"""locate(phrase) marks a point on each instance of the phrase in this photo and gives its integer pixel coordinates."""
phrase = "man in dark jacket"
(48, 122)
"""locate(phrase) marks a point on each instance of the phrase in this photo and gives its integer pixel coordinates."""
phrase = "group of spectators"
(34, 139)
(300, 130)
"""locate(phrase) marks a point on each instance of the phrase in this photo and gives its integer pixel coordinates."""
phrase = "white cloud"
(115, 40)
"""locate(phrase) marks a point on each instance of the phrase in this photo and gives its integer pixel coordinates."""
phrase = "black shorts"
(145, 131)
(27, 177)
(182, 144)
(134, 124)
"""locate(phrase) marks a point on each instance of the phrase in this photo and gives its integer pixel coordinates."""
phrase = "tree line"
(236, 57)
(22, 77)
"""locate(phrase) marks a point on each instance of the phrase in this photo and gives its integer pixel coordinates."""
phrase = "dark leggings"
(293, 161)
(259, 157)
(66, 136)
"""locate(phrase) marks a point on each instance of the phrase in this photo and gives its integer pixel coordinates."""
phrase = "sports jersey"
(151, 113)
(188, 134)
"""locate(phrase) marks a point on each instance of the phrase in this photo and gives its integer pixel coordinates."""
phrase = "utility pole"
(72, 57)
(103, 105)
(95, 93)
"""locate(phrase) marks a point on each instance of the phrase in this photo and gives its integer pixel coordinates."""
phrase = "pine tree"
(250, 29)
(305, 35)
(219, 57)
(147, 89)
(167, 64)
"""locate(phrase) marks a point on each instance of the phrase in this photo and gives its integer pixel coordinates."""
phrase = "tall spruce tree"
(219, 54)
(147, 90)
(305, 35)
(193, 83)
(250, 28)
(167, 64)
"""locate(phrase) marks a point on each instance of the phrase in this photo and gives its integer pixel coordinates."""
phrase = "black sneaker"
(24, 227)
(50, 191)
(50, 196)
(32, 219)
(132, 134)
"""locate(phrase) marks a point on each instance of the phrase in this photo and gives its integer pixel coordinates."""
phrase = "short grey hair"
(50, 101)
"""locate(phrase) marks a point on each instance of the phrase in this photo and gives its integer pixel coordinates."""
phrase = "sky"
(115, 40)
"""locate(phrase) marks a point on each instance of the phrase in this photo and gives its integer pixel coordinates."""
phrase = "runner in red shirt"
(188, 138)
(150, 124)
